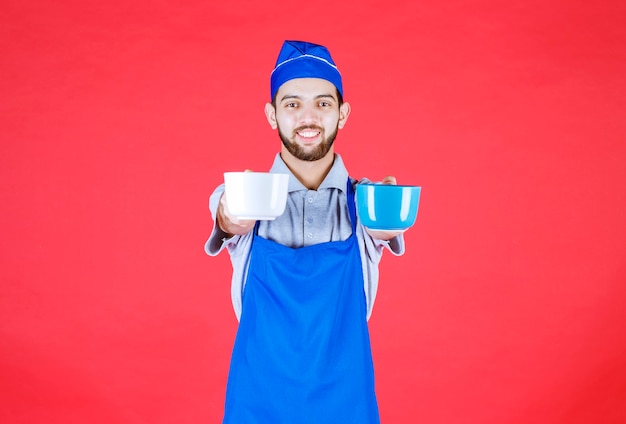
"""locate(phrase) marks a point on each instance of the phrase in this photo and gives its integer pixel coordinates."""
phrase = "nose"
(308, 115)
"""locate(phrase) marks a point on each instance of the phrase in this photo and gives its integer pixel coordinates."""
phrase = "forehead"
(307, 87)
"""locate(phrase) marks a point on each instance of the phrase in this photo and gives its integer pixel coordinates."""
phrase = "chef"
(304, 284)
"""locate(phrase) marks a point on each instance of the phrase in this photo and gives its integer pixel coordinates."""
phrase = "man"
(304, 284)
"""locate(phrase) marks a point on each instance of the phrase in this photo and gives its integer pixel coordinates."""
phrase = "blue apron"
(302, 351)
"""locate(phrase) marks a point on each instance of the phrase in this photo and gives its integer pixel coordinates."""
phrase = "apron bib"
(302, 352)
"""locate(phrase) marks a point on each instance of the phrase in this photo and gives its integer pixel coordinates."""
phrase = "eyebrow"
(319, 96)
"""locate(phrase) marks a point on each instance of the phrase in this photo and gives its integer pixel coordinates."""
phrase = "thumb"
(390, 179)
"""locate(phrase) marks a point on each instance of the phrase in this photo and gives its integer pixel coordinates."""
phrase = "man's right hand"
(231, 224)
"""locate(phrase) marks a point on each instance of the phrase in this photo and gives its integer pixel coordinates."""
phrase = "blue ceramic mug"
(387, 207)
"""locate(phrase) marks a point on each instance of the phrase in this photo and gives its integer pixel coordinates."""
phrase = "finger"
(390, 179)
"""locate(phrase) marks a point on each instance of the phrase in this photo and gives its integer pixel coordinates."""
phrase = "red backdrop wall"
(118, 118)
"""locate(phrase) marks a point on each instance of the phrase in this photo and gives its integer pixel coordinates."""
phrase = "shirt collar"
(336, 177)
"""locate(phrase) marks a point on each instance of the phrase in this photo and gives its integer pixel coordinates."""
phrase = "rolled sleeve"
(219, 240)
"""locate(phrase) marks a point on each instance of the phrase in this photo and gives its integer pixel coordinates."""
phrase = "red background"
(118, 118)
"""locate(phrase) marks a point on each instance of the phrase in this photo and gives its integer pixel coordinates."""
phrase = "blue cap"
(299, 59)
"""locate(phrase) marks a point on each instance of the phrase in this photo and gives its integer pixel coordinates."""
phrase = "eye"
(324, 104)
(291, 105)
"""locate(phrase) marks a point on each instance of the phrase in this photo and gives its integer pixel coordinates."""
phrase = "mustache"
(309, 127)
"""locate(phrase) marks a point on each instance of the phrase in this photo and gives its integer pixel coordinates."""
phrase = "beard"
(309, 155)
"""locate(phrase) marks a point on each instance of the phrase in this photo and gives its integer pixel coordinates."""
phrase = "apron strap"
(351, 205)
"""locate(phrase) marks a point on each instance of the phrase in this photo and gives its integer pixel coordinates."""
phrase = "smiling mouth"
(308, 133)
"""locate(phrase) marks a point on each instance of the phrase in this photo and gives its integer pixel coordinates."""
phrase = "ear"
(270, 114)
(344, 112)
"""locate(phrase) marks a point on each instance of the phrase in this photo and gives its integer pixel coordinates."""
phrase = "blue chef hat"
(299, 59)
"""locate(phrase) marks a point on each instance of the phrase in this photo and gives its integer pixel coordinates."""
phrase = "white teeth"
(308, 134)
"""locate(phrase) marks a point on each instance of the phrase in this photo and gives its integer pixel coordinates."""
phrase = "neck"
(309, 173)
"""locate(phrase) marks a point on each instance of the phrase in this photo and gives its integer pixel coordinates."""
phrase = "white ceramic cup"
(256, 195)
